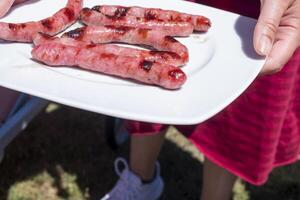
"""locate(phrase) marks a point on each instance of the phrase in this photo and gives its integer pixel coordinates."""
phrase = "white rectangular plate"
(222, 65)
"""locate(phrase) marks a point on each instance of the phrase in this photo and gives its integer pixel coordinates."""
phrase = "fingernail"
(270, 67)
(265, 45)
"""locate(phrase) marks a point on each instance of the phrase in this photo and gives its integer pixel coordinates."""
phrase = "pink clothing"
(255, 133)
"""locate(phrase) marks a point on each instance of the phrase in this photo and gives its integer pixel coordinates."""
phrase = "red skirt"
(255, 133)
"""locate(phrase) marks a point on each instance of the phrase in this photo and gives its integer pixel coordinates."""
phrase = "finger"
(281, 52)
(5, 6)
(267, 24)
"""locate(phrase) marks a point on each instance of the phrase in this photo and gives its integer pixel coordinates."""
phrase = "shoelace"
(124, 189)
(128, 187)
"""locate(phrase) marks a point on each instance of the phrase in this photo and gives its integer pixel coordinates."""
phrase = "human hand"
(5, 5)
(277, 33)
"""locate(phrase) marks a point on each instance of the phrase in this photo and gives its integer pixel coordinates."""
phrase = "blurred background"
(63, 155)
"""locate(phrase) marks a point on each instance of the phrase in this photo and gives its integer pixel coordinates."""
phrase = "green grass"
(63, 155)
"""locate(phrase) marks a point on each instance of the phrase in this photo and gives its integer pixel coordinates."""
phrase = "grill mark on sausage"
(170, 39)
(149, 15)
(119, 13)
(107, 56)
(146, 65)
(143, 32)
(16, 27)
(90, 46)
(164, 54)
(69, 13)
(47, 23)
(86, 12)
(56, 57)
(76, 33)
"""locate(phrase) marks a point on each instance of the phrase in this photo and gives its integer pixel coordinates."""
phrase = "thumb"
(267, 24)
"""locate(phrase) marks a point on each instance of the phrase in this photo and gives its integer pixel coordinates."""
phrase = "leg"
(143, 173)
(144, 151)
(217, 182)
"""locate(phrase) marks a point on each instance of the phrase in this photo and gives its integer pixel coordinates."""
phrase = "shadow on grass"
(69, 144)
(72, 141)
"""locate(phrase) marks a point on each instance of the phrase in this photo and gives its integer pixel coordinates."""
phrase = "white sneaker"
(130, 186)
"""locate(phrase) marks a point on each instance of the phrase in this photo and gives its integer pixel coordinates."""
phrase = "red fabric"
(248, 8)
(259, 130)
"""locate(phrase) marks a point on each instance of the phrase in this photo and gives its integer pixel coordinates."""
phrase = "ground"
(63, 155)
